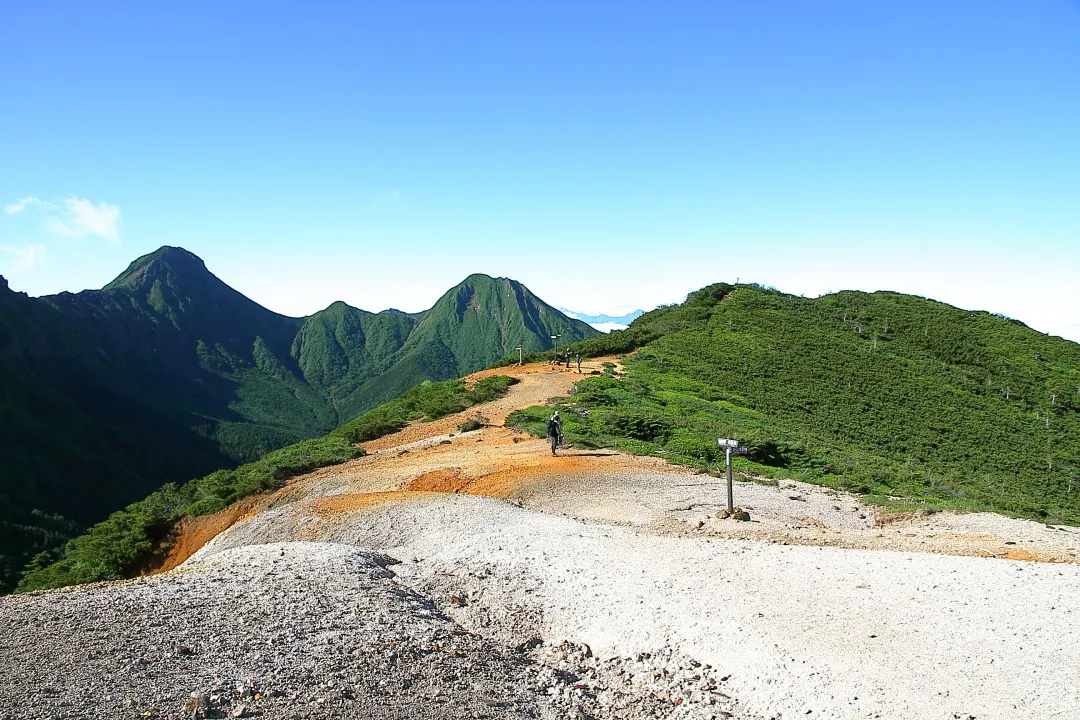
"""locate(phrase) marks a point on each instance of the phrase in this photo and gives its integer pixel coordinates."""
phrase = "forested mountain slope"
(168, 373)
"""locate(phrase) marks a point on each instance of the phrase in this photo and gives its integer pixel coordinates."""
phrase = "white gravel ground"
(796, 631)
(309, 631)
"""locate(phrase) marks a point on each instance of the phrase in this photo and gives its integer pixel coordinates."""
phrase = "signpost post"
(555, 339)
(518, 348)
(730, 446)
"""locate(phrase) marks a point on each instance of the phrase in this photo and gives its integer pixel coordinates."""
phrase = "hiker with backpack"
(554, 430)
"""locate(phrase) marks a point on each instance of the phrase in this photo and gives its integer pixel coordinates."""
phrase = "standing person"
(567, 358)
(554, 431)
(579, 363)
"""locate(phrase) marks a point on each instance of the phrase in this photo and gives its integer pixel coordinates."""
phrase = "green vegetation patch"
(427, 401)
(126, 541)
(910, 402)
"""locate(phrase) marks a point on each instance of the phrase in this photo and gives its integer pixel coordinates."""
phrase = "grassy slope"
(125, 542)
(882, 393)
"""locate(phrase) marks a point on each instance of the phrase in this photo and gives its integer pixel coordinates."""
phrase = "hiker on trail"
(567, 358)
(554, 430)
(579, 363)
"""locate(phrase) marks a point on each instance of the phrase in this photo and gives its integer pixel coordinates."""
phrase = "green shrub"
(118, 546)
(427, 401)
(686, 443)
(474, 423)
(637, 423)
(373, 424)
(532, 420)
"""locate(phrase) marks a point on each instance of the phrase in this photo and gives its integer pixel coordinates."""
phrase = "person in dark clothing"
(579, 362)
(567, 358)
(554, 430)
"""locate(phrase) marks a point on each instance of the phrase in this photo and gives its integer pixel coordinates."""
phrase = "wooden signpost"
(731, 446)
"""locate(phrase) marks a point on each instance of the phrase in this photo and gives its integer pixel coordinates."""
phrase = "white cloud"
(607, 327)
(74, 217)
(84, 219)
(1070, 331)
(26, 258)
(19, 205)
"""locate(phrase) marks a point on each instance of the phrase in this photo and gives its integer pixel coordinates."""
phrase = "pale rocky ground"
(472, 575)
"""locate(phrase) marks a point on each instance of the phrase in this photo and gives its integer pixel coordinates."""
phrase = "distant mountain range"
(167, 373)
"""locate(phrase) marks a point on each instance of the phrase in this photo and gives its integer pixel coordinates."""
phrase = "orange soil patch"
(444, 480)
(1024, 555)
(191, 533)
(503, 475)
(505, 482)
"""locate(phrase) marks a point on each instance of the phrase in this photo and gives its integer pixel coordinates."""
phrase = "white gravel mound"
(291, 630)
(789, 631)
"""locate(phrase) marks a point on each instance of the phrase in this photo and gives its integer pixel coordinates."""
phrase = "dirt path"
(600, 486)
(538, 383)
(380, 471)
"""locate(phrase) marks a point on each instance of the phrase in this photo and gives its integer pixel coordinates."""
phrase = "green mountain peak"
(168, 372)
(165, 262)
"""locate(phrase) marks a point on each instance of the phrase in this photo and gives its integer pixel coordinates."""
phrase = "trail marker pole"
(729, 447)
(730, 489)
(518, 348)
(555, 339)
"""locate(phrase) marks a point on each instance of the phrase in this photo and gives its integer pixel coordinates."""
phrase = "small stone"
(197, 705)
(723, 515)
(741, 515)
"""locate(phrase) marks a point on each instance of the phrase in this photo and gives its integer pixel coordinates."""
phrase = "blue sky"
(610, 155)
